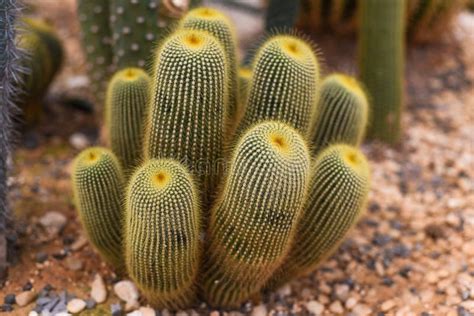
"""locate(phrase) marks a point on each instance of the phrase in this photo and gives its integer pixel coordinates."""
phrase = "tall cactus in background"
(162, 227)
(10, 71)
(98, 195)
(381, 64)
(96, 42)
(219, 25)
(253, 222)
(134, 27)
(337, 196)
(283, 85)
(342, 113)
(126, 110)
(187, 108)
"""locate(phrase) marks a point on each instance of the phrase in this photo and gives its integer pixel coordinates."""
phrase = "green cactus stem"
(220, 26)
(97, 182)
(96, 41)
(187, 108)
(342, 113)
(253, 222)
(337, 197)
(162, 247)
(284, 84)
(126, 109)
(381, 65)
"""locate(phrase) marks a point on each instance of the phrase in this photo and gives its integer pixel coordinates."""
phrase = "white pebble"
(126, 291)
(147, 311)
(76, 305)
(98, 289)
(260, 310)
(78, 141)
(315, 307)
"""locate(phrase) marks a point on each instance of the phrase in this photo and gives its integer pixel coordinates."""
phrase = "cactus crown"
(290, 47)
(351, 161)
(92, 157)
(245, 73)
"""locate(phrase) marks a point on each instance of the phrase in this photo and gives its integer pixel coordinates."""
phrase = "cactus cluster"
(42, 60)
(215, 213)
(425, 19)
(117, 34)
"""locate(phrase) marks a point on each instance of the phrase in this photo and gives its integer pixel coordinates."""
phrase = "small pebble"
(90, 303)
(284, 291)
(78, 141)
(126, 291)
(131, 305)
(341, 291)
(116, 309)
(9, 299)
(53, 222)
(28, 286)
(351, 302)
(33, 313)
(362, 310)
(74, 264)
(315, 307)
(41, 257)
(336, 307)
(76, 306)
(259, 310)
(25, 298)
(147, 311)
(6, 308)
(79, 243)
(387, 305)
(98, 289)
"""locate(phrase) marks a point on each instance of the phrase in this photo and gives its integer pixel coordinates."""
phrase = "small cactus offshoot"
(98, 194)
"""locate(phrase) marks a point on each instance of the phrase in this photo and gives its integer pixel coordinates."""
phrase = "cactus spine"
(98, 194)
(219, 25)
(10, 80)
(254, 219)
(342, 113)
(187, 109)
(284, 84)
(381, 64)
(96, 41)
(134, 27)
(162, 233)
(126, 109)
(337, 196)
(245, 76)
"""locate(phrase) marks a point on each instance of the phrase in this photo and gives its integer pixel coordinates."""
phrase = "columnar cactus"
(187, 108)
(283, 85)
(10, 77)
(134, 26)
(337, 197)
(162, 227)
(98, 194)
(97, 42)
(342, 113)
(381, 64)
(253, 222)
(219, 25)
(126, 109)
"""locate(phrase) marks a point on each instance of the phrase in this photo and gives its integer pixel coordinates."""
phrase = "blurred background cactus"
(382, 65)
(122, 33)
(10, 70)
(425, 19)
(212, 211)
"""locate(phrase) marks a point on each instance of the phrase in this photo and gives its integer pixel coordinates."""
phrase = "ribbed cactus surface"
(337, 196)
(244, 75)
(126, 110)
(254, 219)
(187, 108)
(342, 113)
(96, 41)
(219, 25)
(162, 228)
(284, 84)
(98, 194)
(381, 64)
(134, 28)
